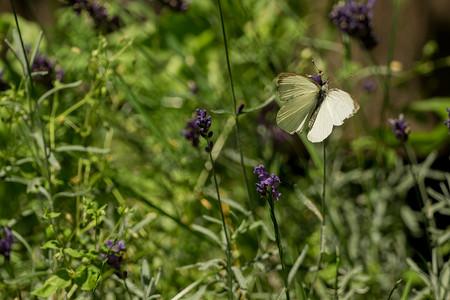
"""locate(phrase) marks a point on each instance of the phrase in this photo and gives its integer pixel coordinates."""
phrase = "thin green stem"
(336, 279)
(278, 240)
(347, 59)
(10, 269)
(394, 288)
(421, 194)
(322, 228)
(36, 111)
(228, 59)
(387, 82)
(126, 287)
(224, 225)
(236, 115)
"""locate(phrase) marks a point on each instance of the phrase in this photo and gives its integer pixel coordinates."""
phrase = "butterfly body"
(310, 106)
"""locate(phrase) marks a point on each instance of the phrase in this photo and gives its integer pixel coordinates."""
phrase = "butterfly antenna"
(351, 76)
(318, 70)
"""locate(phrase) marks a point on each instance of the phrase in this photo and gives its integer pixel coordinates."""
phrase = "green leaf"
(264, 227)
(144, 273)
(52, 244)
(297, 264)
(230, 202)
(208, 233)
(74, 253)
(221, 111)
(51, 215)
(55, 89)
(122, 86)
(25, 278)
(257, 107)
(437, 104)
(15, 105)
(193, 285)
(85, 277)
(60, 280)
(71, 194)
(240, 279)
(81, 148)
(93, 253)
(46, 290)
(245, 110)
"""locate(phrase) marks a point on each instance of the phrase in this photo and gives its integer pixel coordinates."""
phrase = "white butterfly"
(310, 106)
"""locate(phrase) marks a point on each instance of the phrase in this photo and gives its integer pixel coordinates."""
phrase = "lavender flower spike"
(267, 183)
(400, 128)
(3, 84)
(355, 19)
(199, 126)
(204, 123)
(192, 132)
(6, 244)
(115, 257)
(447, 121)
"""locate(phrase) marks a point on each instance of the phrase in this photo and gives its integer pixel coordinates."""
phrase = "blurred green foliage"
(119, 167)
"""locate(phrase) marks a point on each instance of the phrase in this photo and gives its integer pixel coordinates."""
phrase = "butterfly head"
(318, 78)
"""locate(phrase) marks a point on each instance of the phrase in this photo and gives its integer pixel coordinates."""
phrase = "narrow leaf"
(240, 279)
(81, 149)
(55, 89)
(52, 244)
(258, 107)
(208, 233)
(297, 264)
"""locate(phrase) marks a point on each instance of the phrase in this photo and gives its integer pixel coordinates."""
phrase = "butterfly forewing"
(300, 96)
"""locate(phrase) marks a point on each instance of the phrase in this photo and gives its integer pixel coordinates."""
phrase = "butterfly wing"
(336, 107)
(300, 96)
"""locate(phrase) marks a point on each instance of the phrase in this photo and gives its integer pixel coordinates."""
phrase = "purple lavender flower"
(318, 78)
(42, 63)
(6, 244)
(193, 87)
(192, 132)
(355, 19)
(98, 13)
(240, 109)
(175, 5)
(114, 256)
(117, 246)
(204, 123)
(266, 182)
(199, 126)
(369, 85)
(400, 128)
(59, 74)
(3, 84)
(78, 5)
(266, 129)
(447, 121)
(100, 16)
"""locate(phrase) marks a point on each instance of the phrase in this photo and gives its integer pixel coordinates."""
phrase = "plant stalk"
(224, 225)
(278, 240)
(322, 229)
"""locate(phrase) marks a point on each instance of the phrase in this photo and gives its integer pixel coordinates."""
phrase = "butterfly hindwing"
(336, 107)
(342, 106)
(300, 96)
